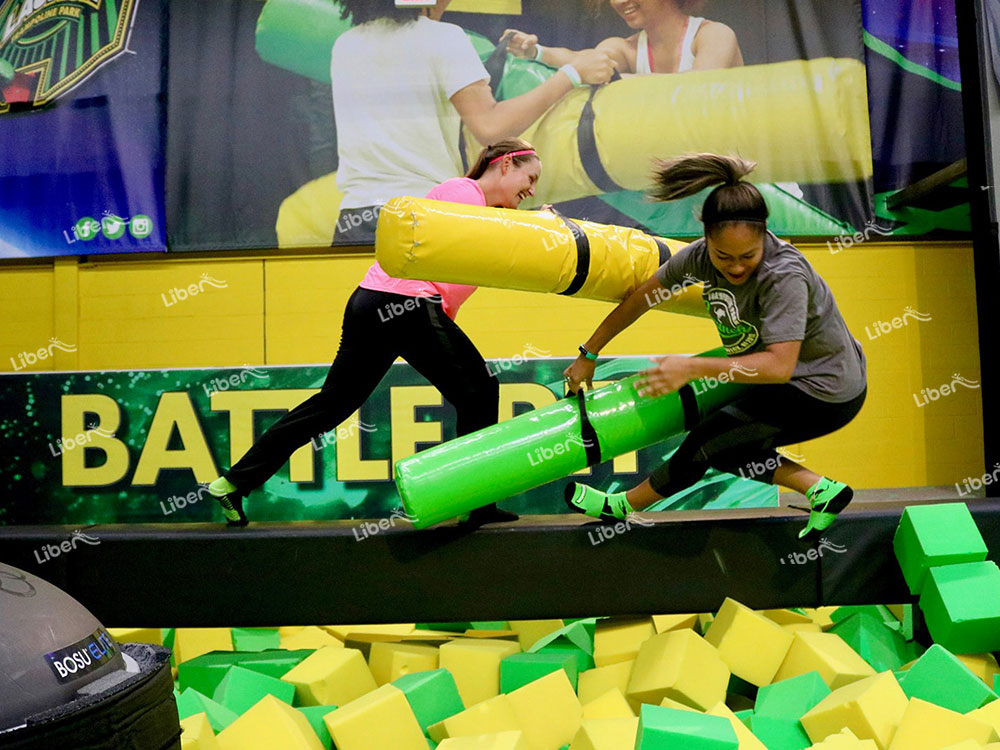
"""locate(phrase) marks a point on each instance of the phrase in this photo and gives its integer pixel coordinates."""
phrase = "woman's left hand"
(671, 374)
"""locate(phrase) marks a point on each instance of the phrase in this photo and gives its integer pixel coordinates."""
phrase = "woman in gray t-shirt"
(782, 331)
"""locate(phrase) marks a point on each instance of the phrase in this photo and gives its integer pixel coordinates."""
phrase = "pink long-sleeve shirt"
(457, 190)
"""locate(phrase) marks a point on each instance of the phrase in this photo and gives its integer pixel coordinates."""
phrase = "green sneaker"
(596, 504)
(826, 499)
(231, 501)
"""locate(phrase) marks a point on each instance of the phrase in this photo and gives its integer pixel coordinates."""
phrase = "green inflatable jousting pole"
(533, 449)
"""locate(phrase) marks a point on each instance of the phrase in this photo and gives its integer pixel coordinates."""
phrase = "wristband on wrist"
(573, 73)
(539, 50)
(589, 355)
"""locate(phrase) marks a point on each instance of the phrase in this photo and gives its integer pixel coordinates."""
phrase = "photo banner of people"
(81, 123)
(356, 102)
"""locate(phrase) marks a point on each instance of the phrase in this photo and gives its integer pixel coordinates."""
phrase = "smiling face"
(517, 181)
(736, 250)
(636, 13)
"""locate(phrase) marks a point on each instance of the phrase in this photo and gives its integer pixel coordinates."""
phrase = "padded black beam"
(541, 566)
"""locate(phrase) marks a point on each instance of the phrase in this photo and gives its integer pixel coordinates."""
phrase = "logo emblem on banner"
(48, 47)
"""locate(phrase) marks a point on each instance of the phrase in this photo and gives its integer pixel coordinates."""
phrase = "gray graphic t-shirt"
(785, 300)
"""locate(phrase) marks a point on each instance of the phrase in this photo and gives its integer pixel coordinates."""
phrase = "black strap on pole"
(582, 257)
(586, 143)
(590, 442)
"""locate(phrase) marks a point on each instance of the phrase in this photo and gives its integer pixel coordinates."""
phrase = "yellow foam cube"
(343, 631)
(190, 643)
(606, 734)
(751, 645)
(498, 741)
(871, 708)
(388, 661)
(379, 720)
(989, 714)
(617, 640)
(964, 745)
(593, 683)
(611, 705)
(492, 715)
(310, 637)
(547, 710)
(663, 623)
(671, 703)
(925, 726)
(984, 666)
(678, 664)
(137, 635)
(827, 653)
(268, 724)
(330, 676)
(705, 621)
(844, 740)
(196, 733)
(822, 616)
(529, 631)
(786, 616)
(808, 627)
(475, 665)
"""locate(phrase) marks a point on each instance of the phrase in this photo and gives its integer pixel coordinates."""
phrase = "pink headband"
(513, 153)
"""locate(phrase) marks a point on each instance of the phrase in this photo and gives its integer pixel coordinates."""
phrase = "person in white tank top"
(669, 40)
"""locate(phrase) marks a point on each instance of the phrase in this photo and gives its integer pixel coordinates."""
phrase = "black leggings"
(379, 327)
(741, 437)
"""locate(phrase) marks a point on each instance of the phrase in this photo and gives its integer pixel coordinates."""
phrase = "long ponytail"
(734, 200)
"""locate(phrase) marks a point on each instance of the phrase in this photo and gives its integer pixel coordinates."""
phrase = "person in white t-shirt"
(669, 40)
(403, 84)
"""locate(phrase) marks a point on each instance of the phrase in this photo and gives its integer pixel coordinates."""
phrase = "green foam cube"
(432, 695)
(579, 633)
(314, 715)
(879, 645)
(779, 733)
(256, 639)
(961, 606)
(791, 698)
(520, 669)
(932, 535)
(241, 688)
(662, 728)
(205, 672)
(584, 660)
(192, 702)
(938, 677)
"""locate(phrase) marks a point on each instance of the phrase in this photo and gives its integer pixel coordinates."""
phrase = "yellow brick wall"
(126, 313)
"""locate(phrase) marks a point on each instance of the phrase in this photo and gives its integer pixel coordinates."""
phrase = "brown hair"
(500, 148)
(364, 11)
(732, 201)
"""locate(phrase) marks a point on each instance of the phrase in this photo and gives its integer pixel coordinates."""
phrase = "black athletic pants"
(741, 437)
(378, 328)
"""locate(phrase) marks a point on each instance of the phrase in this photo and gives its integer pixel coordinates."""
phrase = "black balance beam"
(207, 575)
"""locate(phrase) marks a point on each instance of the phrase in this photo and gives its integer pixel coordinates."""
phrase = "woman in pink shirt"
(388, 318)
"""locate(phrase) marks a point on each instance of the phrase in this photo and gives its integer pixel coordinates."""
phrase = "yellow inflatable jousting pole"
(801, 121)
(531, 251)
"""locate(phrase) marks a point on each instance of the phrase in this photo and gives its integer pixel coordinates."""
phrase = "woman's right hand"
(580, 371)
(520, 44)
(594, 66)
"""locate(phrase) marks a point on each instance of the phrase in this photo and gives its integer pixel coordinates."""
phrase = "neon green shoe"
(826, 499)
(596, 504)
(229, 498)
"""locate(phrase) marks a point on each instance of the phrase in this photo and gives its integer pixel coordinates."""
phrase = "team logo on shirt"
(737, 335)
(48, 47)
